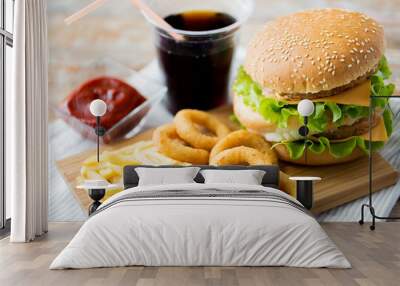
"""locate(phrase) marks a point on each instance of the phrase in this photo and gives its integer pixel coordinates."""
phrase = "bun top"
(314, 51)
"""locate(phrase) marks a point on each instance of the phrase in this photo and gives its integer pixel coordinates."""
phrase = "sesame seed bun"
(250, 119)
(315, 51)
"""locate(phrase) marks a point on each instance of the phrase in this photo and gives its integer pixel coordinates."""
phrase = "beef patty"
(360, 127)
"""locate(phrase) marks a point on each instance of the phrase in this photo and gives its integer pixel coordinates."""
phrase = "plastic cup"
(197, 69)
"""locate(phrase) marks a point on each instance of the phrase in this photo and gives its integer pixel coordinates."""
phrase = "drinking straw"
(84, 11)
(156, 18)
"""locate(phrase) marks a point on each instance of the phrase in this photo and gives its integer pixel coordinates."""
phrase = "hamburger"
(333, 57)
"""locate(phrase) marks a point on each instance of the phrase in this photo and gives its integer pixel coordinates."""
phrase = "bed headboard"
(271, 177)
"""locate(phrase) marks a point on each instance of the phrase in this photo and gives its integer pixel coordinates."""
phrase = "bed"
(201, 224)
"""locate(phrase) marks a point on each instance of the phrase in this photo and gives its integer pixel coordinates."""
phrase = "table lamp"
(96, 188)
(98, 108)
(304, 185)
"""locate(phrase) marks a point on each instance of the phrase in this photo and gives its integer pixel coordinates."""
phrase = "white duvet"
(200, 231)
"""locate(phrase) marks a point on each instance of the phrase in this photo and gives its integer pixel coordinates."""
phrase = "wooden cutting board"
(340, 183)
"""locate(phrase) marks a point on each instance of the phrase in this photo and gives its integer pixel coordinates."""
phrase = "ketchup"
(120, 97)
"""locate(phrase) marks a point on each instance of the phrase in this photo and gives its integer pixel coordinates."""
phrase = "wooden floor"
(375, 257)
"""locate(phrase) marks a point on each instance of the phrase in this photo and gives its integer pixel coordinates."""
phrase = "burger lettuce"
(279, 112)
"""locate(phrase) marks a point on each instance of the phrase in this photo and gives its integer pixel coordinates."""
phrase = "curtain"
(26, 123)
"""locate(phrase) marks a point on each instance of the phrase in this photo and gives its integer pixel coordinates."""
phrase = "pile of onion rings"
(198, 137)
(191, 137)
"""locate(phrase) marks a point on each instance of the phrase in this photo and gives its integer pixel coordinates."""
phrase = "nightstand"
(96, 191)
(304, 190)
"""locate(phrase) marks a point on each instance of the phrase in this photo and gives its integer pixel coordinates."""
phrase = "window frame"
(6, 39)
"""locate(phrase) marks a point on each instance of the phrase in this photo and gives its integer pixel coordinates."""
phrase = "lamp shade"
(305, 107)
(98, 107)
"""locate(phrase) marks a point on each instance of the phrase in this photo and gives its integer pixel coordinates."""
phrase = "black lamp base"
(304, 193)
(96, 195)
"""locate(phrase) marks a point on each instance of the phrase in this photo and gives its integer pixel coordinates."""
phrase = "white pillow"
(164, 176)
(247, 177)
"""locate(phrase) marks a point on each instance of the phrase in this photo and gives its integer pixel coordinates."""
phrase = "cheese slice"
(378, 132)
(358, 95)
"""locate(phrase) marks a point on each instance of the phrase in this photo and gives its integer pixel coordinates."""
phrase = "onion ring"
(186, 121)
(247, 139)
(168, 142)
(240, 155)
